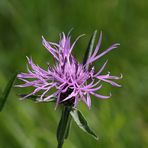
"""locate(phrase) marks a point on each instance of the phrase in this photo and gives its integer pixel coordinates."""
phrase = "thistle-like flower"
(71, 80)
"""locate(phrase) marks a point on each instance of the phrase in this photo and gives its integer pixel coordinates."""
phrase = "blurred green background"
(120, 122)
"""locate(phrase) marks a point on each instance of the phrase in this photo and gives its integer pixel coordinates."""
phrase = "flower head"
(72, 80)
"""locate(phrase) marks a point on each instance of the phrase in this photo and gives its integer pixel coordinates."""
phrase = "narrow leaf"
(89, 49)
(5, 93)
(32, 97)
(36, 98)
(82, 123)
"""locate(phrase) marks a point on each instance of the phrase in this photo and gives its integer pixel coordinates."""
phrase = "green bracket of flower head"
(5, 93)
(89, 48)
(82, 123)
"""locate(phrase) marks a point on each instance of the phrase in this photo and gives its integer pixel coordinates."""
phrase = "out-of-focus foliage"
(5, 93)
(120, 122)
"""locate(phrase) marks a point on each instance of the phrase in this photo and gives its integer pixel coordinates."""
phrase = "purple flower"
(70, 79)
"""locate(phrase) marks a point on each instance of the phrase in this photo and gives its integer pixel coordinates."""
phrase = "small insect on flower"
(67, 76)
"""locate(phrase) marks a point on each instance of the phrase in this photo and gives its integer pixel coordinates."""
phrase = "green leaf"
(36, 98)
(89, 49)
(32, 97)
(82, 123)
(5, 93)
(64, 126)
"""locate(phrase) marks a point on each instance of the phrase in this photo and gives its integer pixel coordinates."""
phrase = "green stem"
(60, 145)
(64, 125)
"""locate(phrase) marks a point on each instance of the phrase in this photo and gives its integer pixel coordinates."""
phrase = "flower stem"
(64, 126)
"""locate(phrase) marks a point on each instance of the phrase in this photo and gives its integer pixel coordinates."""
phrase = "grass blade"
(6, 91)
(89, 49)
